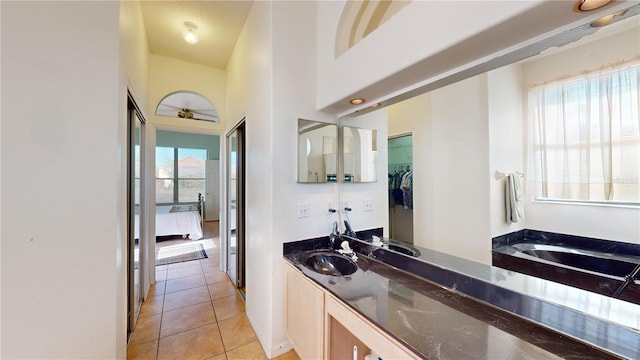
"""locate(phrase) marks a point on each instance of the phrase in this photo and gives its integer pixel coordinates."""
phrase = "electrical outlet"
(303, 210)
(367, 205)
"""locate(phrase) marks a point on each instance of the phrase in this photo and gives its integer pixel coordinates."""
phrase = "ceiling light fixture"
(190, 35)
(588, 5)
(357, 101)
(375, 105)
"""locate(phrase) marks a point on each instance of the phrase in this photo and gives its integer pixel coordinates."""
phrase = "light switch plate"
(367, 205)
(303, 210)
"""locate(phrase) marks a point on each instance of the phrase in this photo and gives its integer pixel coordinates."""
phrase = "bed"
(178, 219)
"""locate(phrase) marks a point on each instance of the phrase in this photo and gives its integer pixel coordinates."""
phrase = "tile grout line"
(216, 316)
(211, 300)
(164, 290)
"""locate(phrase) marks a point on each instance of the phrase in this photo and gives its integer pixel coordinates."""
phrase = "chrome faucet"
(334, 237)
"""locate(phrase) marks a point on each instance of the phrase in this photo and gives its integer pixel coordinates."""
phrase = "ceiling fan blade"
(205, 115)
(187, 105)
(208, 118)
(169, 106)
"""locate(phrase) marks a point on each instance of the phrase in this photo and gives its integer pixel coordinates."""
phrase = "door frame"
(212, 188)
(134, 305)
(392, 211)
(240, 219)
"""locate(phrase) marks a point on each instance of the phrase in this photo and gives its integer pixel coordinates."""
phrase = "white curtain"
(586, 135)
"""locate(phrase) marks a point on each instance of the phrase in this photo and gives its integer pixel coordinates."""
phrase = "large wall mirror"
(466, 130)
(317, 152)
(464, 133)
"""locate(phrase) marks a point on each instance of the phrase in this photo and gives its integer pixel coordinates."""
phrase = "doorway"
(236, 205)
(400, 152)
(136, 244)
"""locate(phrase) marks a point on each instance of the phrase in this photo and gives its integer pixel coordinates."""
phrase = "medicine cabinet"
(320, 143)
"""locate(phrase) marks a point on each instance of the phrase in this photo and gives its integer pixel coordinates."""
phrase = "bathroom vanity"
(404, 314)
(319, 323)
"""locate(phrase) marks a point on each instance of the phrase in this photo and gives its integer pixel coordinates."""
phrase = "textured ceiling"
(219, 25)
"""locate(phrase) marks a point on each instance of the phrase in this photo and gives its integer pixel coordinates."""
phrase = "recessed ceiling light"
(190, 34)
(588, 5)
(375, 105)
(357, 101)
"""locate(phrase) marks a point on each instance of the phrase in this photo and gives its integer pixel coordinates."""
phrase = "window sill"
(627, 205)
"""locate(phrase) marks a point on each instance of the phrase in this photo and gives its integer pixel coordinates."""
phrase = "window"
(586, 136)
(181, 166)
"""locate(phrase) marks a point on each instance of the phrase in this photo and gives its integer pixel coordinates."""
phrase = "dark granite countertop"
(436, 322)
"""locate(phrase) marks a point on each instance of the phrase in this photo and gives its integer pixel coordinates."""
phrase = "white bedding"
(175, 223)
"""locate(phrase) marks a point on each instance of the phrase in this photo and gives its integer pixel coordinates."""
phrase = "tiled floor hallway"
(194, 312)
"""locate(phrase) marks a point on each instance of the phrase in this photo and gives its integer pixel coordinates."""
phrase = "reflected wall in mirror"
(359, 154)
(317, 152)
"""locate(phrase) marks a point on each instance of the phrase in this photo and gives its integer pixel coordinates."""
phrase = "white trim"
(629, 205)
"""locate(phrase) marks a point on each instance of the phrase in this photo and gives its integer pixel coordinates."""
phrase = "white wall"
(406, 116)
(249, 95)
(474, 129)
(294, 96)
(134, 58)
(451, 179)
(62, 258)
(167, 75)
(506, 141)
(134, 52)
(457, 196)
(356, 193)
(271, 82)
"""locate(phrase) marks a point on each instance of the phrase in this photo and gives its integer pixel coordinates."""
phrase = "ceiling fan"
(187, 105)
(185, 114)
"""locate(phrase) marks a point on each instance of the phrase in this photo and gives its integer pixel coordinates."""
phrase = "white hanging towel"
(514, 198)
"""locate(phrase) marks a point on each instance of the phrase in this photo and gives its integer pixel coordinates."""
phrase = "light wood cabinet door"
(347, 329)
(305, 314)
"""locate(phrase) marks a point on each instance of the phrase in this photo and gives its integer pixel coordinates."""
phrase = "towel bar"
(502, 175)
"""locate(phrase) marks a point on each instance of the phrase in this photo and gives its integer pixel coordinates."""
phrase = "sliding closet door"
(240, 266)
(235, 206)
(136, 247)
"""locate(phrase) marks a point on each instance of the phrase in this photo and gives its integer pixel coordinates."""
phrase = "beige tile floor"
(194, 312)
